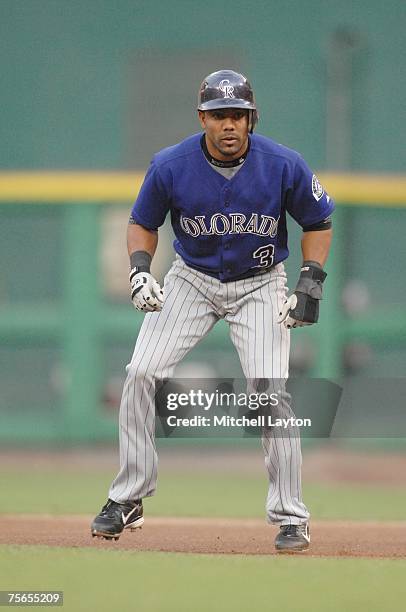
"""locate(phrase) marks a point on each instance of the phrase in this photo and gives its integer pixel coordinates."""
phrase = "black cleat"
(115, 517)
(293, 538)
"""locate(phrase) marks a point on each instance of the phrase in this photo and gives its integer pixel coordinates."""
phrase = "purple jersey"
(230, 228)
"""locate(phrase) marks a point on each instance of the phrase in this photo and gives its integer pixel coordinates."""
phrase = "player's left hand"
(302, 308)
(291, 311)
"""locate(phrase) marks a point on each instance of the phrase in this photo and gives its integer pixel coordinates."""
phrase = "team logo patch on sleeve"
(317, 189)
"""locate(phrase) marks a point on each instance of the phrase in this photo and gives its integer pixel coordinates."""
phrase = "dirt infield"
(218, 536)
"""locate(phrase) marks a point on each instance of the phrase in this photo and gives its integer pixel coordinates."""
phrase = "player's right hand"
(146, 292)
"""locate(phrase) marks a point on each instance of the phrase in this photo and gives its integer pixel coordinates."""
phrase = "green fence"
(73, 326)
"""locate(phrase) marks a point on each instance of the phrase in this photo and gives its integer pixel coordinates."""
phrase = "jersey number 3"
(265, 254)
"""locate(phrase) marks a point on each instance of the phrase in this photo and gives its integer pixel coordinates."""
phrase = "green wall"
(67, 71)
(96, 84)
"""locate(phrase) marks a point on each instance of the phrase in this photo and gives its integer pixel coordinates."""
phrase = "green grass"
(155, 582)
(183, 494)
(106, 580)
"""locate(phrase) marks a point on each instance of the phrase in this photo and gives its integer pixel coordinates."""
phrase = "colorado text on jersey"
(233, 223)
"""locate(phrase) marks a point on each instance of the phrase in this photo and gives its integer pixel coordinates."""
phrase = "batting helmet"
(227, 89)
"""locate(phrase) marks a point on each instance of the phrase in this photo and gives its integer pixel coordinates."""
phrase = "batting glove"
(146, 292)
(302, 308)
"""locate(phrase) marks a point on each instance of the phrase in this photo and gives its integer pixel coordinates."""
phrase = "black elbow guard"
(320, 226)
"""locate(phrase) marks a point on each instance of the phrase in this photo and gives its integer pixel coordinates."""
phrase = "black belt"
(248, 274)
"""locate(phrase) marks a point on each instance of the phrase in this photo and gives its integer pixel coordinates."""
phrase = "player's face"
(226, 132)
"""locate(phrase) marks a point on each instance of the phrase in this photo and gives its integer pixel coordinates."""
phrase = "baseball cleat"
(115, 517)
(293, 538)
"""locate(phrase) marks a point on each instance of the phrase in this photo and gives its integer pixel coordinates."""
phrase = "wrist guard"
(140, 261)
(309, 290)
(311, 279)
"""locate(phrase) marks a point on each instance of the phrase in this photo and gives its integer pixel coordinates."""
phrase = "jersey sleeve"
(153, 202)
(308, 202)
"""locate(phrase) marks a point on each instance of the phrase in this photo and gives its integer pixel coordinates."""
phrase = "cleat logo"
(306, 534)
(226, 88)
(125, 518)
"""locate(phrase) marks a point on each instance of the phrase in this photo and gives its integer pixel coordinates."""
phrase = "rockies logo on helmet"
(226, 88)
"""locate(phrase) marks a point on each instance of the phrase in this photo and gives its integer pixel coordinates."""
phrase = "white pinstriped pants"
(194, 302)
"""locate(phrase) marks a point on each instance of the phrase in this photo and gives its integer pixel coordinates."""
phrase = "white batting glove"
(146, 292)
(284, 315)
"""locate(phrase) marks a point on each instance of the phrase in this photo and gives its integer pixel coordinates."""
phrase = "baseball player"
(228, 191)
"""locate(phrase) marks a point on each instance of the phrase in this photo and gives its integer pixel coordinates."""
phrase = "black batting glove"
(302, 307)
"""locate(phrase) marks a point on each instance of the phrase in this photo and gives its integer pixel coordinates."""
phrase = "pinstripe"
(286, 480)
(255, 342)
(252, 321)
(182, 352)
(144, 429)
(270, 456)
(278, 484)
(144, 396)
(191, 322)
(263, 336)
(157, 317)
(152, 317)
(245, 329)
(248, 339)
(250, 305)
(125, 463)
(274, 446)
(284, 333)
(280, 375)
(173, 326)
(201, 333)
(213, 300)
(194, 302)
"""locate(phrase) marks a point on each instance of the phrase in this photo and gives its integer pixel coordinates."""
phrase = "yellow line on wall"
(70, 186)
(369, 189)
(108, 186)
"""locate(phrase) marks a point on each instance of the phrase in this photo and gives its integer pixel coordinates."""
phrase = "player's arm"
(147, 215)
(316, 245)
(146, 293)
(309, 204)
(140, 238)
(302, 308)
